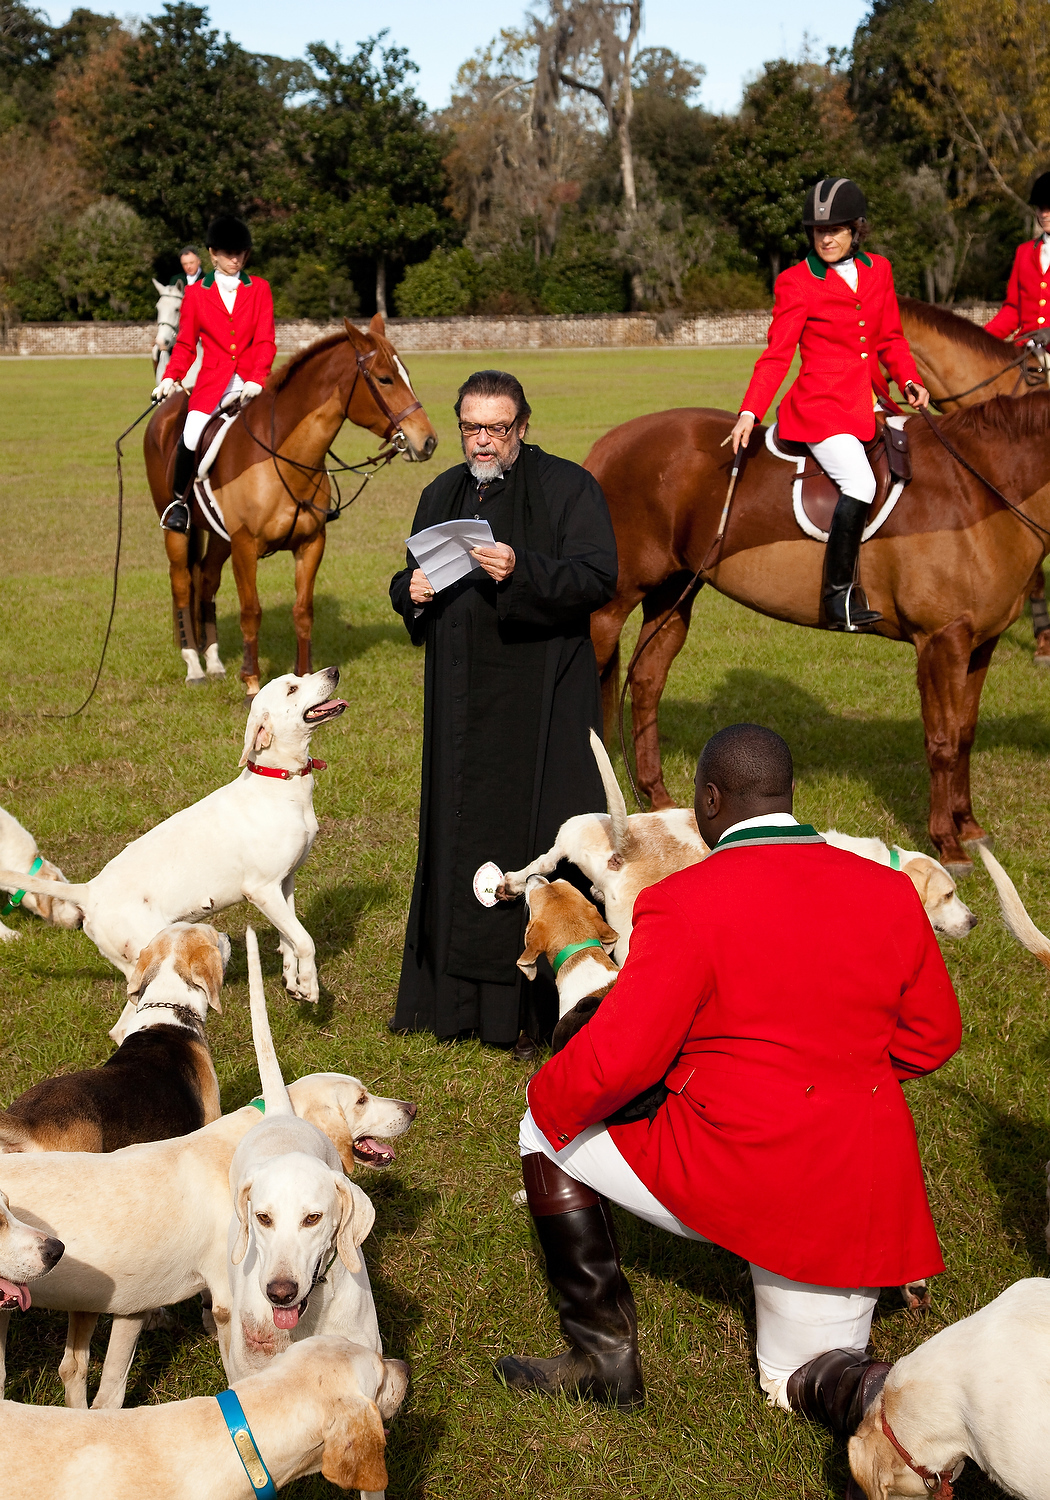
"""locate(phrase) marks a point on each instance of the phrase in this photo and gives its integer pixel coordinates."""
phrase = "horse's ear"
(180, 283)
(377, 325)
(160, 289)
(357, 338)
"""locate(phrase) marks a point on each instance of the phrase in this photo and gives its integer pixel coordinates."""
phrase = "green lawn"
(454, 1265)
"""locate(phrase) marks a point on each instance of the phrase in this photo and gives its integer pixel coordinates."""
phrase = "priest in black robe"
(511, 693)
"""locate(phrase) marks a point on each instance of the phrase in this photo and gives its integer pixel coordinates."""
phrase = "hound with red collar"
(843, 325)
(231, 313)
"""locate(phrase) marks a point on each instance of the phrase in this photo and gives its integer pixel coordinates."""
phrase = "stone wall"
(410, 335)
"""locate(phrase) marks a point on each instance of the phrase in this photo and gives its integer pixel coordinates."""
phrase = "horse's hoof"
(200, 681)
(958, 869)
(251, 687)
(217, 674)
(986, 841)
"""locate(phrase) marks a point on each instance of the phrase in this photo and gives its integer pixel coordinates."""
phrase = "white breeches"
(796, 1321)
(196, 421)
(844, 460)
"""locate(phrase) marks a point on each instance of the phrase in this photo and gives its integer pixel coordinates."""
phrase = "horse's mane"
(1000, 416)
(280, 378)
(958, 330)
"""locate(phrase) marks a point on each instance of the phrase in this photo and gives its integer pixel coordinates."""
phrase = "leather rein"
(939, 1483)
(392, 435)
(1029, 372)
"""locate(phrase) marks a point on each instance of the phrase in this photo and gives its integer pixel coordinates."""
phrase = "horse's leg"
(177, 546)
(943, 669)
(648, 681)
(308, 557)
(1040, 618)
(211, 577)
(245, 567)
(970, 831)
(606, 628)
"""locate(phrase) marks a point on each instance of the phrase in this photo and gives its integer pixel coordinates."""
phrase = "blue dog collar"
(17, 897)
(247, 1449)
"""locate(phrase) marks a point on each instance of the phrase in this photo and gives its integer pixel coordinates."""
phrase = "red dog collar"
(938, 1484)
(282, 774)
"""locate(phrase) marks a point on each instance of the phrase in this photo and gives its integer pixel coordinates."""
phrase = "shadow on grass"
(336, 640)
(1014, 1152)
(887, 753)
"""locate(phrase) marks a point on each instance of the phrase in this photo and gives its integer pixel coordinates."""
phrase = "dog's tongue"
(286, 1317)
(377, 1148)
(13, 1294)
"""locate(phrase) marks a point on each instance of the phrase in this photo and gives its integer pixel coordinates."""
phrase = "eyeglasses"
(494, 429)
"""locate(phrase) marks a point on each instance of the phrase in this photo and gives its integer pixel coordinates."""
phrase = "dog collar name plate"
(280, 773)
(247, 1449)
(17, 897)
(570, 949)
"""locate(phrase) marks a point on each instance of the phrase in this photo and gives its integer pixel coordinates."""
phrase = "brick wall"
(579, 331)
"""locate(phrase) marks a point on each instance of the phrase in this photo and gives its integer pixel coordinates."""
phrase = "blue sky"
(731, 41)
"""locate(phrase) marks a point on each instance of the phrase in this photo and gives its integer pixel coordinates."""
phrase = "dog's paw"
(510, 887)
(160, 1317)
(8, 934)
(916, 1296)
(521, 1196)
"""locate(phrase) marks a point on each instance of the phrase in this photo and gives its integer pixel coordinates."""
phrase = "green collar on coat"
(209, 280)
(773, 833)
(820, 268)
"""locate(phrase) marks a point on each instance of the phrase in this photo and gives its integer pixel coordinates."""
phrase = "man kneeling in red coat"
(782, 990)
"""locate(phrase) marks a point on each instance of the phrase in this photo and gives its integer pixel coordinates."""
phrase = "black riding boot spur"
(596, 1309)
(177, 515)
(845, 603)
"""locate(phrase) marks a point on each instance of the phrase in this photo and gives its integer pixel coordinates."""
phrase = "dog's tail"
(1014, 914)
(275, 1095)
(62, 889)
(613, 796)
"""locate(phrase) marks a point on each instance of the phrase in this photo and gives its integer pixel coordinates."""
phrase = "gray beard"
(488, 472)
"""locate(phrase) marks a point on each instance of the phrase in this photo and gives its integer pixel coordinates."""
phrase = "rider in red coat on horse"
(232, 315)
(1026, 310)
(776, 995)
(842, 325)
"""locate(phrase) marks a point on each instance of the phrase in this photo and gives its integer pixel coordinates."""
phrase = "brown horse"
(961, 365)
(270, 483)
(947, 569)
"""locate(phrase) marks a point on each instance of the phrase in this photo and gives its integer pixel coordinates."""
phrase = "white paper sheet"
(443, 551)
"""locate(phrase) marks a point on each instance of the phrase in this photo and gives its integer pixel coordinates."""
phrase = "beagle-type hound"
(244, 842)
(18, 851)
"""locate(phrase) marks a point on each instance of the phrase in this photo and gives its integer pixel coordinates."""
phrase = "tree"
(369, 173)
(181, 129)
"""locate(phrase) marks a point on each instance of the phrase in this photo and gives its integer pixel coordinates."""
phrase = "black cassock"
(511, 692)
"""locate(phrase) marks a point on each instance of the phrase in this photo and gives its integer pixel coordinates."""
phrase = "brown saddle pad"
(889, 458)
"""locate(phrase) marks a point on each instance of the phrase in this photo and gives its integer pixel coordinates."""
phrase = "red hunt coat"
(842, 335)
(239, 343)
(782, 990)
(1025, 308)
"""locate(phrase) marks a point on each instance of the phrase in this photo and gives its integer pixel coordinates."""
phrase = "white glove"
(250, 389)
(164, 390)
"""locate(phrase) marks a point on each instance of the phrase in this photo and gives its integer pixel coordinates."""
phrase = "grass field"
(454, 1266)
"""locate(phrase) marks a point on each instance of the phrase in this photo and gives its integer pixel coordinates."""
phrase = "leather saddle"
(888, 455)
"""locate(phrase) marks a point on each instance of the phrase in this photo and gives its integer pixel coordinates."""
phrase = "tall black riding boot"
(177, 515)
(837, 1388)
(845, 603)
(596, 1310)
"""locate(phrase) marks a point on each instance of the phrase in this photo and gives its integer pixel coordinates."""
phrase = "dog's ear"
(119, 1031)
(354, 1456)
(145, 970)
(605, 934)
(240, 1208)
(534, 946)
(873, 1461)
(258, 733)
(355, 1223)
(208, 965)
(920, 871)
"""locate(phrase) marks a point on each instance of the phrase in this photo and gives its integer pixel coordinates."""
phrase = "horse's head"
(397, 415)
(169, 300)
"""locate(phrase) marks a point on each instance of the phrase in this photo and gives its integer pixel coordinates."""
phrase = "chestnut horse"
(270, 483)
(947, 569)
(961, 365)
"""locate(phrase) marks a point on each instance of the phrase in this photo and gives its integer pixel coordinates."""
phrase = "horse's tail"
(275, 1095)
(1012, 907)
(613, 796)
(611, 694)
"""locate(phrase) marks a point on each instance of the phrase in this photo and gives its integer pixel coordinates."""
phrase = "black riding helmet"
(1039, 197)
(834, 200)
(230, 235)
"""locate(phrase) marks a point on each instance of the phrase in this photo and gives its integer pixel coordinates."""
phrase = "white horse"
(169, 301)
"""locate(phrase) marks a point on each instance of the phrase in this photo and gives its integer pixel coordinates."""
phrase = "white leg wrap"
(194, 672)
(211, 658)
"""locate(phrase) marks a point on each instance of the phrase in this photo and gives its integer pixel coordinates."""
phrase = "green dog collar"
(17, 897)
(570, 949)
(259, 1104)
(895, 857)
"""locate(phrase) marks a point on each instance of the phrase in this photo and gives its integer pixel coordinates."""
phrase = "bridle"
(939, 1483)
(1030, 371)
(392, 435)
